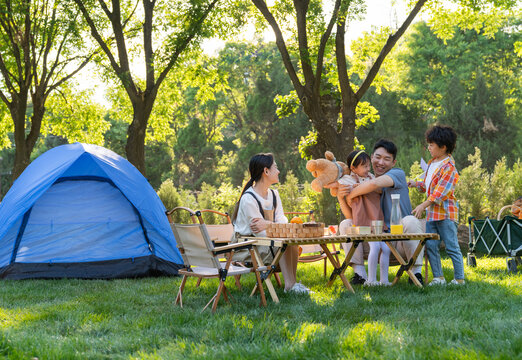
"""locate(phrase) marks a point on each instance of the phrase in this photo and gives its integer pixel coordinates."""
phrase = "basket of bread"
(295, 229)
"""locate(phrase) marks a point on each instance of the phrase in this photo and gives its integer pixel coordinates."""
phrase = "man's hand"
(258, 224)
(412, 183)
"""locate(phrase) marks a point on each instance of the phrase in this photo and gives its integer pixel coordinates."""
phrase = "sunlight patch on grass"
(243, 323)
(373, 337)
(307, 331)
(13, 318)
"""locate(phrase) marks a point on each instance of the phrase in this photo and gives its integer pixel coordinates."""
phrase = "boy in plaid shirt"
(441, 206)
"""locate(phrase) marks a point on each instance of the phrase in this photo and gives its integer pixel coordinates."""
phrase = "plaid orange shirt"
(442, 192)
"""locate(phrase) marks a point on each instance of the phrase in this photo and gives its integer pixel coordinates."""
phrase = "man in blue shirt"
(392, 181)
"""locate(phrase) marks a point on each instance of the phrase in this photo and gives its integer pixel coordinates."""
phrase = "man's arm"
(383, 181)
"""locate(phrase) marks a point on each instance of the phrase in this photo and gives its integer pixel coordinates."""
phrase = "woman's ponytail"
(256, 167)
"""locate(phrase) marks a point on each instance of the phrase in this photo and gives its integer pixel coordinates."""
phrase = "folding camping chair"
(312, 253)
(496, 237)
(201, 257)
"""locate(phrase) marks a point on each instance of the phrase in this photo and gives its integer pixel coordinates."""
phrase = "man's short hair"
(442, 135)
(387, 145)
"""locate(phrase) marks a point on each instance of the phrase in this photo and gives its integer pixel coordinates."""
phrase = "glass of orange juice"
(396, 229)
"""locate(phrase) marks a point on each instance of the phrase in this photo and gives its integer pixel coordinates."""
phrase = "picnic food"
(305, 230)
(296, 220)
(326, 171)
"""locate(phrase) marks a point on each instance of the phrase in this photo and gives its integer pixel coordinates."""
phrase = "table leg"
(267, 274)
(406, 266)
(340, 269)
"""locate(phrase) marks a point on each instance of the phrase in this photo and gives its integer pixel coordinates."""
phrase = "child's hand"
(412, 183)
(417, 212)
(344, 190)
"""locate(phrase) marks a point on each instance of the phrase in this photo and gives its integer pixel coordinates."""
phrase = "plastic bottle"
(395, 218)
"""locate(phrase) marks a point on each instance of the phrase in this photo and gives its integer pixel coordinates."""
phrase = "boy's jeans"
(447, 229)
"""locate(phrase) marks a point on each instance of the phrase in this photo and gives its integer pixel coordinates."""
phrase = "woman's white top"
(249, 209)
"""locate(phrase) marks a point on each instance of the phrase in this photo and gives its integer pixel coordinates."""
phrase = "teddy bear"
(326, 171)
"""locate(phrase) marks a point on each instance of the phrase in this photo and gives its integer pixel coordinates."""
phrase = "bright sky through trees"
(378, 13)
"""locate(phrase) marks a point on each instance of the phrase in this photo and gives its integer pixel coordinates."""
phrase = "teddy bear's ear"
(311, 165)
(329, 155)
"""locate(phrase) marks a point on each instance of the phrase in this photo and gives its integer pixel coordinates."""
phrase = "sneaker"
(371, 283)
(387, 283)
(299, 288)
(419, 277)
(437, 281)
(357, 279)
(455, 282)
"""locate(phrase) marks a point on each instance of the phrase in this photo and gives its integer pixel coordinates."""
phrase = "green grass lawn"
(136, 319)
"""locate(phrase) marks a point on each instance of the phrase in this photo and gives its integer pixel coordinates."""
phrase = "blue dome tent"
(82, 211)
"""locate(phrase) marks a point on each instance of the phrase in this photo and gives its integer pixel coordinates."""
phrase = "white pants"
(375, 248)
(410, 224)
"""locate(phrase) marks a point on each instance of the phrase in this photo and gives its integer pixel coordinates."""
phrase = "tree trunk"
(18, 109)
(324, 114)
(135, 147)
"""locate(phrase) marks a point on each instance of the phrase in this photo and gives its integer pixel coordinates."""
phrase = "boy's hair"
(362, 158)
(387, 145)
(442, 135)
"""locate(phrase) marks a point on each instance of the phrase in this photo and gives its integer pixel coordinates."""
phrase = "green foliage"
(471, 188)
(172, 198)
(221, 199)
(416, 197)
(459, 84)
(291, 194)
(6, 126)
(485, 17)
(197, 154)
(72, 115)
(483, 194)
(287, 105)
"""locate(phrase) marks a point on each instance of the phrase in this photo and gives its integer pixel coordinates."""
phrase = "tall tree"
(39, 42)
(333, 111)
(165, 29)
(324, 107)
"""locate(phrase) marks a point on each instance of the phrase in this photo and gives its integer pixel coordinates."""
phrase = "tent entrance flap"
(20, 234)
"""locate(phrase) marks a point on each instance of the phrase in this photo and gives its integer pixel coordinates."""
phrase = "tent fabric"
(82, 204)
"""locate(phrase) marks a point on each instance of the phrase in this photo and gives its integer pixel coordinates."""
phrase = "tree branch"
(195, 26)
(301, 8)
(147, 44)
(340, 57)
(6, 74)
(280, 42)
(70, 75)
(392, 40)
(322, 47)
(97, 36)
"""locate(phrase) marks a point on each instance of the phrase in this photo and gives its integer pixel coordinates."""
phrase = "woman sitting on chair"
(259, 206)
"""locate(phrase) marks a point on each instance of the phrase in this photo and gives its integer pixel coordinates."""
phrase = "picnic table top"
(342, 238)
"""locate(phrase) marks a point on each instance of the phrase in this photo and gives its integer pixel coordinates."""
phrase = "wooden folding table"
(280, 244)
